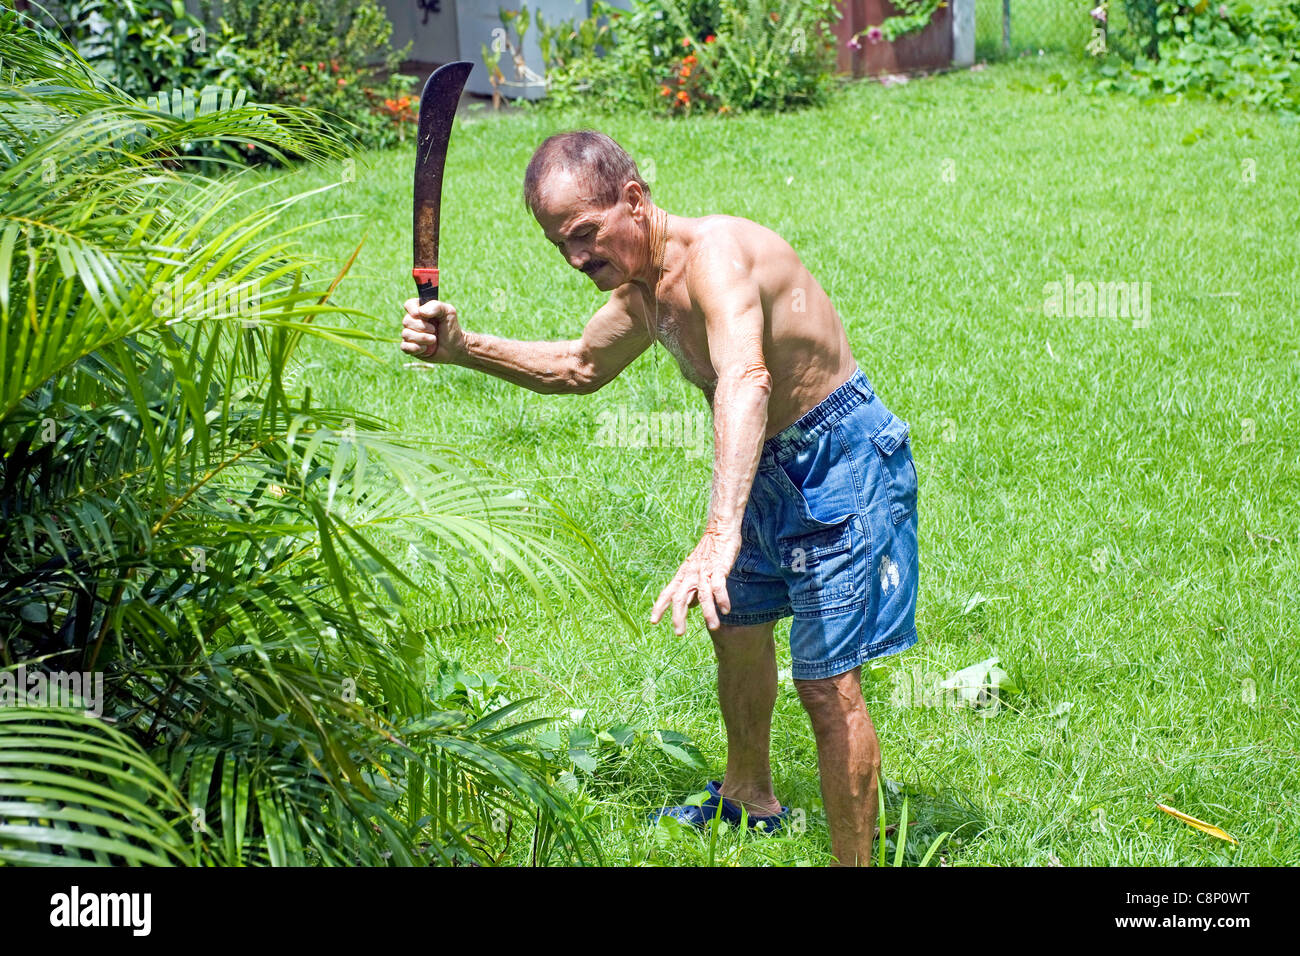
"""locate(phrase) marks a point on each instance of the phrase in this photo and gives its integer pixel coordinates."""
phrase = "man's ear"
(634, 196)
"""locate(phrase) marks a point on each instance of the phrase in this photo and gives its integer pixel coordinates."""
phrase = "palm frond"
(74, 791)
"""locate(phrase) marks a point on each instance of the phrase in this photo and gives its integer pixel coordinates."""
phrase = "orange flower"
(683, 96)
(723, 109)
(690, 59)
(342, 82)
(404, 102)
(664, 91)
(710, 38)
(686, 41)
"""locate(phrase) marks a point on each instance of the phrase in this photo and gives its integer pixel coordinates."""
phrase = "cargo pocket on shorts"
(894, 451)
(819, 567)
(831, 500)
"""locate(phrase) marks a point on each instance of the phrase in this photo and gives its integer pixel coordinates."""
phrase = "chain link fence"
(1005, 29)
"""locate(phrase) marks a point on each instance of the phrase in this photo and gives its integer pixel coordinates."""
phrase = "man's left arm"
(727, 292)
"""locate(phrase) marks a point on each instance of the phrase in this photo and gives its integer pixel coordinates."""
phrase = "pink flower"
(875, 34)
(1223, 10)
(854, 43)
(1098, 13)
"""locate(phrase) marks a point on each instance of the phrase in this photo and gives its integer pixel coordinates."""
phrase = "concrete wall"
(963, 32)
(432, 34)
(459, 29)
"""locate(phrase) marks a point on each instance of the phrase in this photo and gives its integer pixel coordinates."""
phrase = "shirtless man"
(813, 507)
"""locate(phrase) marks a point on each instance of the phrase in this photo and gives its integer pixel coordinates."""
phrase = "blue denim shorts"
(829, 535)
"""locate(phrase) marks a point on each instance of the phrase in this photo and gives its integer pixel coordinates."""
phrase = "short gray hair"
(598, 162)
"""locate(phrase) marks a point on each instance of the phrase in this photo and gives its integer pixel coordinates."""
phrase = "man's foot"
(701, 815)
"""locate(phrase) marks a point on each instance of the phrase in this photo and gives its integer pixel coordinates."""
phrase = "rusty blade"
(437, 108)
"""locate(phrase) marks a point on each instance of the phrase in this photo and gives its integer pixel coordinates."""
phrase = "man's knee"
(736, 640)
(832, 701)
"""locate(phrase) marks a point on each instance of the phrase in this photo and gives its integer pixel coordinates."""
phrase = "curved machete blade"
(437, 109)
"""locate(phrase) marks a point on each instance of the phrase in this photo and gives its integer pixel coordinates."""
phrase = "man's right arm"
(610, 341)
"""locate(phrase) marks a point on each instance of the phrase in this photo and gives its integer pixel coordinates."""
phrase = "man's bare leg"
(747, 694)
(848, 760)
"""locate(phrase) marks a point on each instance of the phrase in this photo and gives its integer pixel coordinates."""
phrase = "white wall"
(963, 32)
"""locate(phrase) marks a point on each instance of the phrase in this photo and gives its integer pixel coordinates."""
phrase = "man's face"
(603, 244)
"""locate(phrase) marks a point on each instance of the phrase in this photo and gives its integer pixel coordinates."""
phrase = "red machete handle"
(426, 280)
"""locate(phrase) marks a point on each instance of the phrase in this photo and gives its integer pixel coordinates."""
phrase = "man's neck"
(659, 237)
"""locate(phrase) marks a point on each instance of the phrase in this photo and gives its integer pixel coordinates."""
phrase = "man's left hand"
(701, 579)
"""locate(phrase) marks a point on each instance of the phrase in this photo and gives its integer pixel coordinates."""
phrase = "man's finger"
(707, 606)
(666, 595)
(720, 595)
(681, 604)
(418, 323)
(429, 311)
(426, 340)
(679, 612)
(661, 605)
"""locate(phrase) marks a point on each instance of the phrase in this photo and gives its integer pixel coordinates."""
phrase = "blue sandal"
(701, 815)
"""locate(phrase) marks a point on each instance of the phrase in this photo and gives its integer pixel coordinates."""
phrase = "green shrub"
(674, 57)
(1139, 29)
(322, 54)
(331, 57)
(147, 46)
(1245, 51)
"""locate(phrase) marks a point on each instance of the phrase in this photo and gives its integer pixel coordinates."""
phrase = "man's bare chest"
(682, 333)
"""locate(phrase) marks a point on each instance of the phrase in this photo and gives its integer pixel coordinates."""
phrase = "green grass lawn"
(1111, 511)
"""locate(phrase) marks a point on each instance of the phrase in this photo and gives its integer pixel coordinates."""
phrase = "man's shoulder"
(726, 247)
(736, 233)
(723, 225)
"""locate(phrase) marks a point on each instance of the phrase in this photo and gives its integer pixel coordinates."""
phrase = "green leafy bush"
(147, 46)
(1138, 33)
(1247, 51)
(673, 57)
(321, 54)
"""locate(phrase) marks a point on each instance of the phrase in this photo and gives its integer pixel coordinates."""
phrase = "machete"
(437, 109)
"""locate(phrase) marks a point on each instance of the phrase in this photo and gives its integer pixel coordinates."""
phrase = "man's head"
(585, 192)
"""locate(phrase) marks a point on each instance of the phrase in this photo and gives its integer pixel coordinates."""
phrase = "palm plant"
(175, 516)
